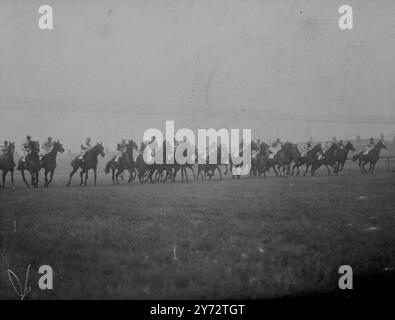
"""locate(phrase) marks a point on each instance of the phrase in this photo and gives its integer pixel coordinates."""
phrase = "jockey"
(121, 149)
(324, 147)
(27, 147)
(306, 148)
(4, 149)
(47, 146)
(341, 144)
(275, 148)
(370, 146)
(85, 148)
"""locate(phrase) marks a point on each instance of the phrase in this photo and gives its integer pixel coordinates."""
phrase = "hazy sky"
(111, 69)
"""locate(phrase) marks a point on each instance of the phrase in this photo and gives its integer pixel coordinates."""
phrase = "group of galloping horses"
(286, 162)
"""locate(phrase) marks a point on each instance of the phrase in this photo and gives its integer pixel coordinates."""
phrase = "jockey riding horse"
(124, 160)
(371, 157)
(86, 161)
(30, 161)
(48, 159)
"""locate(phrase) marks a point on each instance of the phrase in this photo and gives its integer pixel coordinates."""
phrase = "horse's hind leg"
(71, 175)
(24, 178)
(35, 179)
(307, 169)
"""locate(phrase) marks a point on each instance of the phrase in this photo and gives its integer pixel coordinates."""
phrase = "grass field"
(247, 238)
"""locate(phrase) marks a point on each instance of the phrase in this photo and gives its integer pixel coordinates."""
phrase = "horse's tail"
(108, 166)
(355, 157)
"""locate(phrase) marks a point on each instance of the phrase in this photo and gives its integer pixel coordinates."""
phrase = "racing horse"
(125, 162)
(263, 162)
(7, 164)
(340, 156)
(32, 165)
(308, 160)
(89, 162)
(326, 159)
(372, 157)
(289, 153)
(48, 162)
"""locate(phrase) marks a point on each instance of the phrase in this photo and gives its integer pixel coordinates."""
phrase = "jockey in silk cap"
(4, 149)
(341, 144)
(324, 147)
(85, 148)
(47, 146)
(27, 147)
(275, 148)
(121, 149)
(306, 148)
(370, 146)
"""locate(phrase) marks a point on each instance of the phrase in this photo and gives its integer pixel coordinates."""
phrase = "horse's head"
(349, 146)
(99, 149)
(380, 145)
(11, 147)
(58, 147)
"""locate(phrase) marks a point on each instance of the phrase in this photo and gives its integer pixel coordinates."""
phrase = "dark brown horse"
(7, 164)
(372, 157)
(289, 153)
(340, 156)
(89, 162)
(32, 165)
(262, 162)
(308, 160)
(326, 159)
(48, 162)
(125, 162)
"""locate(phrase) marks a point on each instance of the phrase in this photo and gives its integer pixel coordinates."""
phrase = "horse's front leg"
(113, 175)
(37, 179)
(373, 165)
(95, 175)
(12, 178)
(45, 178)
(220, 174)
(24, 178)
(82, 179)
(186, 175)
(86, 178)
(116, 176)
(3, 184)
(50, 176)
